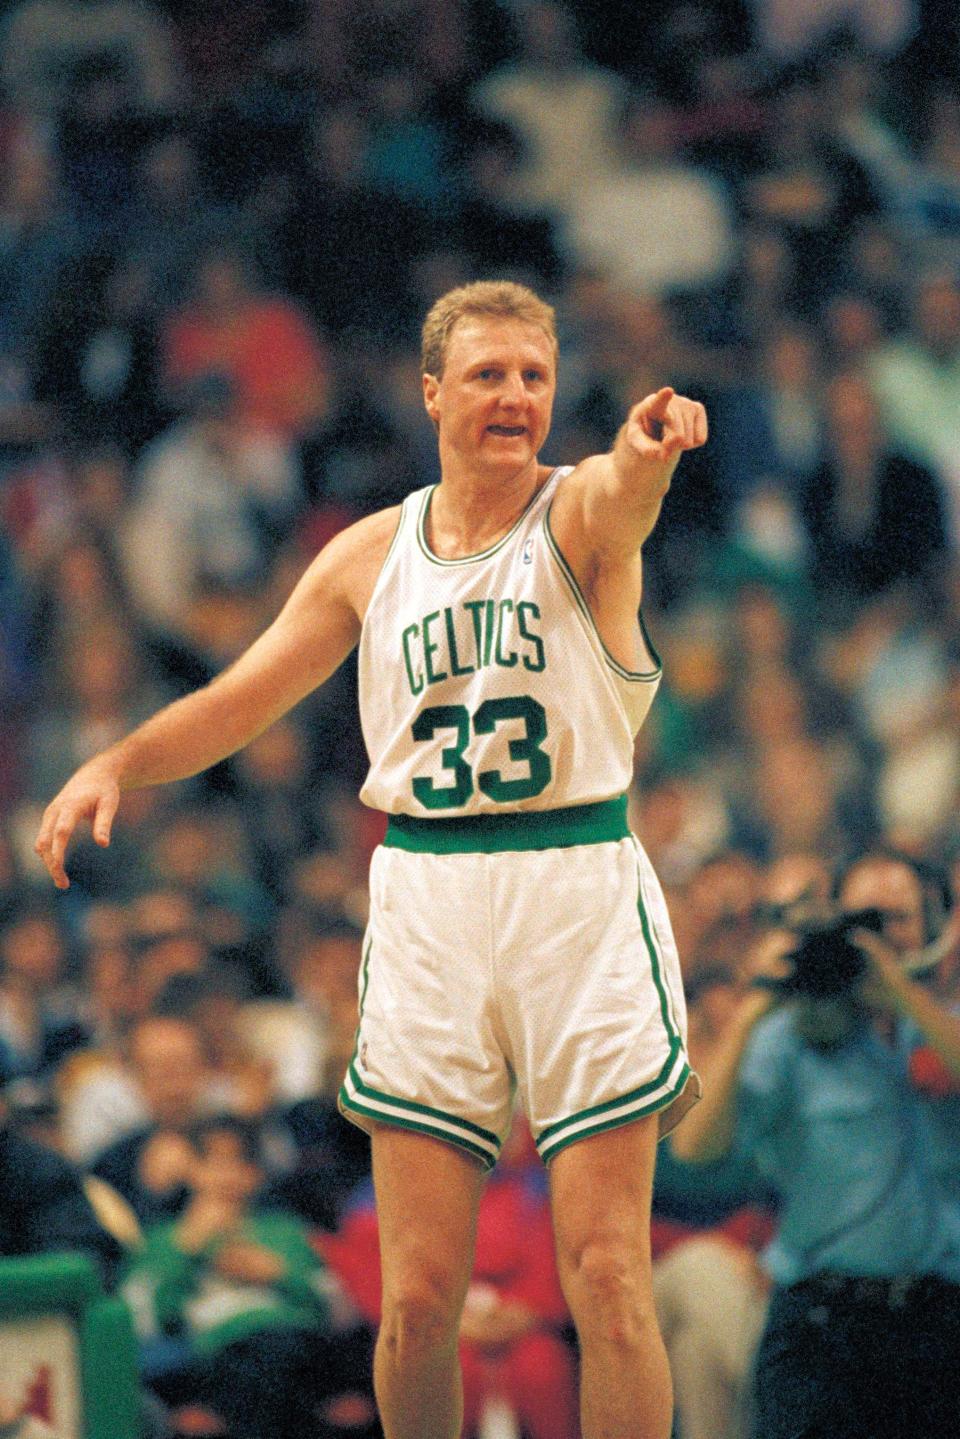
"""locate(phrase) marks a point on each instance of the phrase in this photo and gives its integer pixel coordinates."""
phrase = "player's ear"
(431, 387)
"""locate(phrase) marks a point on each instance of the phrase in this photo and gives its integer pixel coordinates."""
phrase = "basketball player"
(518, 938)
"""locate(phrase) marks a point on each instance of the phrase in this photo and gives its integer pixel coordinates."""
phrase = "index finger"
(51, 844)
(655, 407)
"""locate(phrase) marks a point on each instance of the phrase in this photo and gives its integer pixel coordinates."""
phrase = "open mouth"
(510, 431)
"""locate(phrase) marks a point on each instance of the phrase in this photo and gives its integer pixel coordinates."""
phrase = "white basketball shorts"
(487, 970)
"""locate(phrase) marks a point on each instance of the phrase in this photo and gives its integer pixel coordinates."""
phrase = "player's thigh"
(428, 1194)
(600, 1192)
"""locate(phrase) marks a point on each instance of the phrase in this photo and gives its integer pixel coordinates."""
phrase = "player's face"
(492, 404)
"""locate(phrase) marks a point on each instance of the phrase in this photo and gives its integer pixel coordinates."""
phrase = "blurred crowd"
(220, 227)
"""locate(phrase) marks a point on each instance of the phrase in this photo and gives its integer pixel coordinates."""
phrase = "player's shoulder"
(350, 562)
(371, 532)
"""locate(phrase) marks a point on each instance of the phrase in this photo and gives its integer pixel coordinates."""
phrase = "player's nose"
(512, 390)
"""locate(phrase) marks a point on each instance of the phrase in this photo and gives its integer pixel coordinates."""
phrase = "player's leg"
(427, 1194)
(600, 1191)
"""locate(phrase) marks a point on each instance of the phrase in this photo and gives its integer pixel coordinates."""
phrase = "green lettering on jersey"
(508, 661)
(455, 666)
(539, 663)
(475, 607)
(416, 681)
(430, 648)
(488, 632)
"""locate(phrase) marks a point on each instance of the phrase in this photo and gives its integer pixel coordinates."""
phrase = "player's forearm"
(288, 660)
(185, 738)
(627, 494)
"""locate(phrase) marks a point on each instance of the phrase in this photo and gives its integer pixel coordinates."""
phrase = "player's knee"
(609, 1292)
(421, 1314)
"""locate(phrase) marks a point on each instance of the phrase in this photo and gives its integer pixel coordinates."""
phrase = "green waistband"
(597, 823)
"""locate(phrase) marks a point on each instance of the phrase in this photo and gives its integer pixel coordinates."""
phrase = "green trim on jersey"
(483, 554)
(396, 536)
(635, 676)
(600, 823)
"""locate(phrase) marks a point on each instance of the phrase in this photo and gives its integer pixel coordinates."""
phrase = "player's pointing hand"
(665, 424)
(92, 794)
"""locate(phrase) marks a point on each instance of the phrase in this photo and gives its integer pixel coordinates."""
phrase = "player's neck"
(470, 511)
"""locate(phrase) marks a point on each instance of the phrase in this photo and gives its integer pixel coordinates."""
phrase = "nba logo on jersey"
(527, 552)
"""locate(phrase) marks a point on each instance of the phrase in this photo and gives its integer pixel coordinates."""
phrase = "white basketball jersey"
(484, 685)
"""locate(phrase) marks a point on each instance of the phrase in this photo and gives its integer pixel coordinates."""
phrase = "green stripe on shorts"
(600, 823)
(611, 1115)
(361, 1098)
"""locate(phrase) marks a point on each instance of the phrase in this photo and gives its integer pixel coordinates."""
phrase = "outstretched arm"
(312, 635)
(607, 507)
(611, 502)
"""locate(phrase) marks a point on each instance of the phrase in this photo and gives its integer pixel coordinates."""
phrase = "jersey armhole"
(401, 519)
(635, 676)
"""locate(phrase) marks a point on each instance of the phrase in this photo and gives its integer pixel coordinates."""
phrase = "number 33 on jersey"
(484, 685)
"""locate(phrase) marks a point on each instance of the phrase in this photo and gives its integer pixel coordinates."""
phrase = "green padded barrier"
(68, 1285)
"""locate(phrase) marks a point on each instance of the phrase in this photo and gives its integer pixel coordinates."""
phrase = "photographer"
(814, 1081)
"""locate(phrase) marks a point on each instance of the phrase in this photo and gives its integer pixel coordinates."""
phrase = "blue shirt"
(846, 1141)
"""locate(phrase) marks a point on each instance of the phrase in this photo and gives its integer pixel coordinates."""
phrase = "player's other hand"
(665, 424)
(92, 794)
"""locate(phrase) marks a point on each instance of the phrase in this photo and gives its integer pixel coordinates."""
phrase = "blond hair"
(503, 299)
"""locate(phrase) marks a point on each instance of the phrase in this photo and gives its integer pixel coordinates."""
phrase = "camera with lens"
(826, 963)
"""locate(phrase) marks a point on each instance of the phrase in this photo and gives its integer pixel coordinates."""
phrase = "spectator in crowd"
(172, 218)
(263, 344)
(651, 221)
(320, 1026)
(916, 379)
(100, 686)
(103, 372)
(407, 157)
(160, 965)
(39, 1014)
(150, 1166)
(496, 230)
(709, 1224)
(782, 409)
(274, 777)
(37, 240)
(200, 512)
(875, 517)
(234, 1306)
(335, 254)
(43, 1206)
(99, 138)
(819, 1091)
(563, 107)
(809, 192)
(43, 40)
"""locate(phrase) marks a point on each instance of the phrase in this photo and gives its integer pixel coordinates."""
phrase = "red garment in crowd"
(748, 1228)
(270, 352)
(536, 1375)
